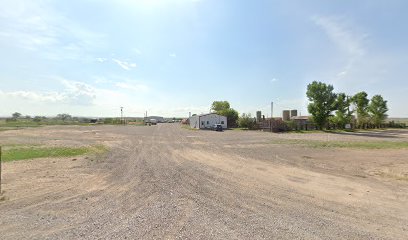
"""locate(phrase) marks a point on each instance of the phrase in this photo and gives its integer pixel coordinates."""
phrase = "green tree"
(64, 116)
(218, 106)
(246, 121)
(361, 102)
(378, 110)
(223, 108)
(322, 102)
(343, 114)
(16, 115)
(232, 116)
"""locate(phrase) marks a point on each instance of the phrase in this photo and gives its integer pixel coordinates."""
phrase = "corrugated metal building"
(207, 121)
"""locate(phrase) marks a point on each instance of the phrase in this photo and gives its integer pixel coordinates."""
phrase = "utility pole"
(271, 110)
(121, 115)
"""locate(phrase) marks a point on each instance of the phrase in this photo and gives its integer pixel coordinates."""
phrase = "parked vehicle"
(217, 127)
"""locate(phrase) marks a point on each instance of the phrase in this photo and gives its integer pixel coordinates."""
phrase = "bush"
(245, 121)
(393, 124)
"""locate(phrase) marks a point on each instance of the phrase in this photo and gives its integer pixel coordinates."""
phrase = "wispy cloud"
(348, 41)
(132, 86)
(173, 55)
(137, 51)
(342, 35)
(125, 65)
(35, 96)
(74, 93)
(101, 60)
(273, 80)
(36, 26)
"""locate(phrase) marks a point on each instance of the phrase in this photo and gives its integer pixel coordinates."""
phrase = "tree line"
(337, 109)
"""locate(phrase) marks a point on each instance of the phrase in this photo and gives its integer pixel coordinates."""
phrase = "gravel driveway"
(165, 182)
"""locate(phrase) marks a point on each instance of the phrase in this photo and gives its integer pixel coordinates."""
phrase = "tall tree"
(343, 113)
(361, 101)
(220, 105)
(322, 102)
(223, 108)
(378, 109)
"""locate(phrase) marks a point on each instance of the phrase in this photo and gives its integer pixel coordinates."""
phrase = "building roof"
(205, 114)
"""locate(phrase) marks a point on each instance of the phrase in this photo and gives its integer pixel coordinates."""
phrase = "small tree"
(361, 102)
(37, 119)
(323, 102)
(378, 110)
(64, 116)
(16, 115)
(246, 121)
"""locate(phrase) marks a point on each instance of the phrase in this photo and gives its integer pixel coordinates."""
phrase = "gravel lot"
(165, 182)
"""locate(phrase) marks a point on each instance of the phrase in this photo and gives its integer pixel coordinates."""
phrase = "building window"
(208, 122)
(222, 122)
(202, 123)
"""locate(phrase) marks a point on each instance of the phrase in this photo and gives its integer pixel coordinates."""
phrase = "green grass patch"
(327, 131)
(342, 144)
(12, 153)
(23, 123)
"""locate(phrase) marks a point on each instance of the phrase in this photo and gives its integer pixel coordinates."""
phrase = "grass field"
(343, 144)
(398, 120)
(16, 152)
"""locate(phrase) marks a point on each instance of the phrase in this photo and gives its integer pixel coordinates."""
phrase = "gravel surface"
(165, 182)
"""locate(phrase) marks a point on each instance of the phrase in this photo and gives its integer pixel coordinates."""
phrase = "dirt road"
(165, 182)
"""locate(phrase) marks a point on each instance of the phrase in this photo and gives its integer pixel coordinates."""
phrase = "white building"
(207, 121)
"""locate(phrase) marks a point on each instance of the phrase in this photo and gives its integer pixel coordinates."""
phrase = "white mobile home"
(207, 121)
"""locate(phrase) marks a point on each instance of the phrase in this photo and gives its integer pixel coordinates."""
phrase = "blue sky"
(171, 57)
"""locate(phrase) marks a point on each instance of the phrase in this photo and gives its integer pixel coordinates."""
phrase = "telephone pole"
(121, 115)
(271, 110)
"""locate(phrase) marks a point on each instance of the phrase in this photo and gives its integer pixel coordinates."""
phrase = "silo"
(258, 116)
(293, 113)
(286, 115)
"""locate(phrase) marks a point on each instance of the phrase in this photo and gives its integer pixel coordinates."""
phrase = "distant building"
(207, 121)
(157, 118)
(303, 123)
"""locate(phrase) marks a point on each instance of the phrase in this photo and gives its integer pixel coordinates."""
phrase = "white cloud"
(273, 80)
(35, 96)
(101, 60)
(73, 93)
(173, 55)
(342, 35)
(137, 51)
(37, 26)
(125, 65)
(132, 86)
(349, 42)
(79, 92)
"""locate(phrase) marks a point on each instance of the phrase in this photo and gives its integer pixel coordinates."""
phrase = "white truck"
(153, 121)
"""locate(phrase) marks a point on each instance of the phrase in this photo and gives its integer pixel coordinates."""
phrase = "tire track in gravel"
(164, 182)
